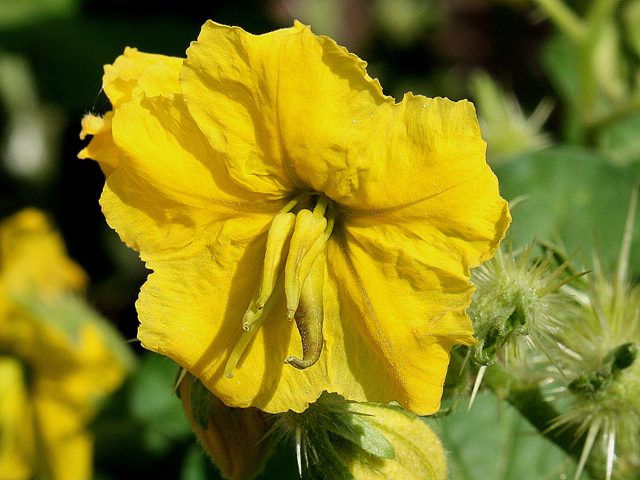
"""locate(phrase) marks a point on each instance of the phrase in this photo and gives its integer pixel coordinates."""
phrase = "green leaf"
(359, 431)
(574, 196)
(200, 398)
(560, 60)
(620, 141)
(153, 404)
(493, 441)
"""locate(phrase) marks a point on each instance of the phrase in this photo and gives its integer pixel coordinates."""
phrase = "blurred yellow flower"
(268, 178)
(57, 361)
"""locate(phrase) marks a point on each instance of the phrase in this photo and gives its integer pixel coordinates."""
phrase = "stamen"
(317, 248)
(299, 241)
(293, 203)
(280, 231)
(310, 315)
(321, 206)
(308, 228)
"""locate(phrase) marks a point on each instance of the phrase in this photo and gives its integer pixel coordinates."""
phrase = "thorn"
(588, 445)
(611, 452)
(299, 450)
(476, 385)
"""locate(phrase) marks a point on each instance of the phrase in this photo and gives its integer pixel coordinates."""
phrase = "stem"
(527, 399)
(600, 11)
(585, 34)
(567, 21)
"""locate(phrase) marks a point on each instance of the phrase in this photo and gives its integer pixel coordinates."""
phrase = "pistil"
(310, 316)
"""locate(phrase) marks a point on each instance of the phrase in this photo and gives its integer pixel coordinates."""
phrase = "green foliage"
(143, 426)
(501, 445)
(15, 13)
(573, 196)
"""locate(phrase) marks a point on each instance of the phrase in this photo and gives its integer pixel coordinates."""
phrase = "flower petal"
(410, 323)
(135, 72)
(292, 108)
(101, 147)
(191, 310)
(131, 74)
(67, 442)
(230, 82)
(169, 184)
(415, 150)
(407, 282)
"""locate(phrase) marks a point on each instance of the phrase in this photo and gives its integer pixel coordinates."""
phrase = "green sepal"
(359, 431)
(200, 399)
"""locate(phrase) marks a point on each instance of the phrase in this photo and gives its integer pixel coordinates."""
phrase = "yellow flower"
(266, 178)
(56, 358)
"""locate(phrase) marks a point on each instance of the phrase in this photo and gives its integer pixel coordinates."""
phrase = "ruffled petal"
(414, 150)
(135, 72)
(169, 184)
(394, 155)
(131, 74)
(409, 321)
(292, 108)
(230, 82)
(101, 147)
(406, 275)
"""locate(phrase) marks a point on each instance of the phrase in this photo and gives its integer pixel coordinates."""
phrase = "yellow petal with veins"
(133, 73)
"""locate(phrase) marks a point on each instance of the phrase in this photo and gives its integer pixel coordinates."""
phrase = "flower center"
(294, 264)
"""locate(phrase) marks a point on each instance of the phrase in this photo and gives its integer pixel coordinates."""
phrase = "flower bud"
(598, 370)
(418, 451)
(517, 303)
(235, 438)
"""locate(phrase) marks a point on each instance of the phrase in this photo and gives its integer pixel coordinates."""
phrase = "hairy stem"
(527, 398)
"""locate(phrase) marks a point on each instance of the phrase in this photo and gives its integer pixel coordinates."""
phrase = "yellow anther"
(317, 248)
(308, 228)
(310, 315)
(279, 233)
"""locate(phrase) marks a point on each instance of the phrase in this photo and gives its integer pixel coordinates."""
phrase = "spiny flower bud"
(516, 308)
(506, 129)
(516, 303)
